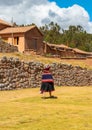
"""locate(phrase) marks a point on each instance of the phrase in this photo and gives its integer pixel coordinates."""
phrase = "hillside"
(29, 57)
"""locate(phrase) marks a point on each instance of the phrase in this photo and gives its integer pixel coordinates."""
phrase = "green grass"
(24, 109)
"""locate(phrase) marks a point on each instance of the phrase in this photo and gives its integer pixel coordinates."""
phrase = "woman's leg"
(50, 93)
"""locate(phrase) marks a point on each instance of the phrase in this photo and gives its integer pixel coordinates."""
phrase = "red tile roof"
(81, 51)
(10, 30)
(76, 50)
(58, 45)
(4, 22)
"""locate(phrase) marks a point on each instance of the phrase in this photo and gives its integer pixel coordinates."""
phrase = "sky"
(41, 12)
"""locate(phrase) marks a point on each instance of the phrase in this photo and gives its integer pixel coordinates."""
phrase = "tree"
(51, 32)
(75, 36)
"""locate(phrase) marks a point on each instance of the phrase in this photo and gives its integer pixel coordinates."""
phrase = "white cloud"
(42, 12)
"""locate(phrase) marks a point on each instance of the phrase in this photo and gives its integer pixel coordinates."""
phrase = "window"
(16, 40)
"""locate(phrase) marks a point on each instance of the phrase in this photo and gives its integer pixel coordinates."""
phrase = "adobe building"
(64, 51)
(26, 38)
(29, 39)
(58, 50)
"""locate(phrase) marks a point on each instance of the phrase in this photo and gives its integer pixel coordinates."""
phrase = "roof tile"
(16, 29)
(4, 22)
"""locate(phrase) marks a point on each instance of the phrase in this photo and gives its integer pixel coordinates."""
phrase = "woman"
(47, 84)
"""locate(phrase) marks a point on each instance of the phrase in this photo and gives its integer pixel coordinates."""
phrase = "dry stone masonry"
(7, 48)
(16, 74)
(68, 75)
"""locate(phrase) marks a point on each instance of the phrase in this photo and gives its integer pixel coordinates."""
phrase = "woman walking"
(47, 84)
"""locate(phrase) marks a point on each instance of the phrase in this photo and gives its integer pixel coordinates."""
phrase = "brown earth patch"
(82, 62)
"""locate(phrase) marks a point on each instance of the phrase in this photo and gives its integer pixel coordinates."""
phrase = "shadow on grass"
(52, 97)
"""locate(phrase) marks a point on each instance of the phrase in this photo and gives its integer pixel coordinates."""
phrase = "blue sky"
(86, 4)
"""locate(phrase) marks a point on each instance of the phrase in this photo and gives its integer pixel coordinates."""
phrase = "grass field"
(24, 109)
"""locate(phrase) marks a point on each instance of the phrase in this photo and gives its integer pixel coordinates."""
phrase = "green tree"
(74, 36)
(51, 32)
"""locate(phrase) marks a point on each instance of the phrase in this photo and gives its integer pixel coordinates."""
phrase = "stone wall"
(68, 75)
(7, 48)
(19, 74)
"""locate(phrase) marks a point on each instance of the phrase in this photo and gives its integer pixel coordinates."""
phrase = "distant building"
(27, 38)
(64, 51)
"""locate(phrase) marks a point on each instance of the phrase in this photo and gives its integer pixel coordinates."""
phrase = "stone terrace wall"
(5, 47)
(68, 75)
(19, 74)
